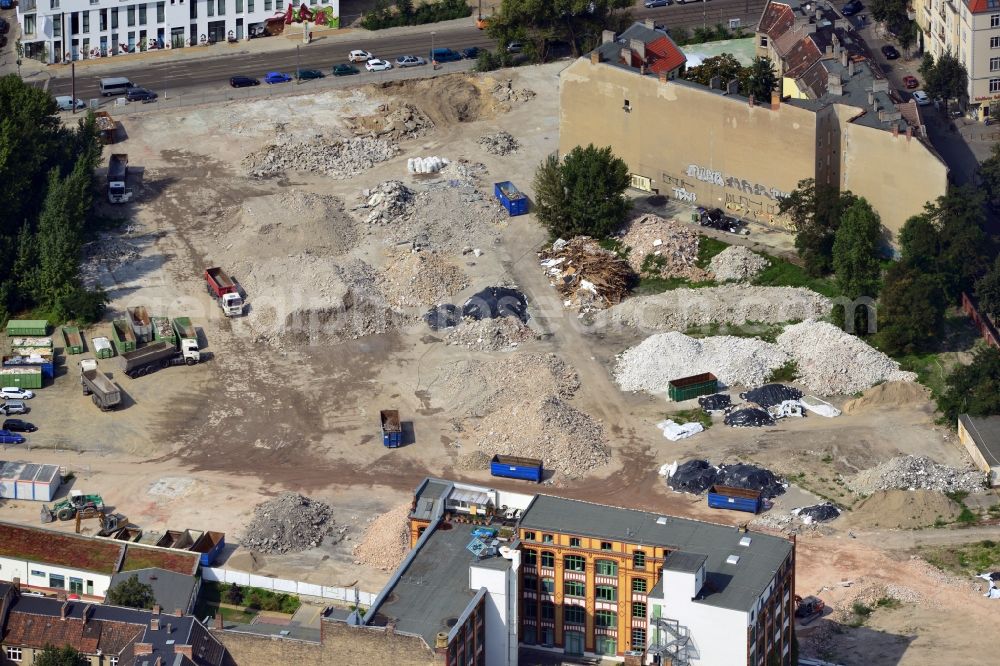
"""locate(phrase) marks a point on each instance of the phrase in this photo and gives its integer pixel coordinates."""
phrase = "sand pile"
(386, 540)
(412, 278)
(672, 247)
(736, 264)
(889, 395)
(902, 509)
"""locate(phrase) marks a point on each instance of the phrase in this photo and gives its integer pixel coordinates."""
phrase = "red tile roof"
(68, 550)
(663, 55)
(776, 19)
(179, 561)
(37, 631)
(980, 6)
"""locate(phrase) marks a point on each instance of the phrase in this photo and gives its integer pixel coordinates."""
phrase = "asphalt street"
(213, 72)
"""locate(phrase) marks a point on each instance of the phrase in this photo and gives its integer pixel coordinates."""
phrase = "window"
(995, 21)
(530, 582)
(546, 538)
(574, 563)
(530, 611)
(638, 609)
(528, 536)
(606, 545)
(131, 15)
(995, 42)
(548, 558)
(194, 12)
(85, 27)
(56, 32)
(639, 585)
(574, 542)
(14, 654)
(103, 17)
(994, 83)
(574, 615)
(639, 560)
(161, 8)
(142, 15)
(239, 6)
(29, 24)
(548, 586)
(606, 568)
(112, 661)
(222, 7)
(53, 4)
(548, 610)
(250, 6)
(90, 587)
(57, 581)
(638, 639)
(605, 618)
(210, 8)
(607, 593)
(574, 588)
(530, 556)
(763, 41)
(994, 64)
(76, 585)
(267, 5)
(529, 631)
(114, 19)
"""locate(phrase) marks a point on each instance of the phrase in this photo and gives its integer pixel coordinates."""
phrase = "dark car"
(890, 52)
(243, 81)
(471, 53)
(8, 437)
(444, 55)
(649, 4)
(309, 74)
(344, 70)
(17, 425)
(140, 95)
(852, 8)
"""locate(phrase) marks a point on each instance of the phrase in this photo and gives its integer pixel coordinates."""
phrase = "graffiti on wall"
(707, 175)
(763, 211)
(682, 194)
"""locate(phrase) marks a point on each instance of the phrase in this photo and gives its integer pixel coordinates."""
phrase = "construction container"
(185, 329)
(208, 546)
(177, 539)
(44, 363)
(123, 336)
(736, 499)
(511, 198)
(72, 340)
(102, 347)
(22, 376)
(687, 388)
(514, 467)
(32, 342)
(130, 534)
(29, 481)
(105, 127)
(392, 429)
(141, 325)
(163, 331)
(17, 327)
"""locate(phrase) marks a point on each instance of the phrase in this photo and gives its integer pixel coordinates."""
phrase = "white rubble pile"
(387, 201)
(831, 361)
(490, 334)
(289, 523)
(498, 143)
(504, 91)
(680, 309)
(915, 473)
(108, 252)
(736, 264)
(337, 158)
(672, 244)
(651, 364)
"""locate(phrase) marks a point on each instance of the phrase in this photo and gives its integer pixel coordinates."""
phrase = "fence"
(985, 326)
(220, 575)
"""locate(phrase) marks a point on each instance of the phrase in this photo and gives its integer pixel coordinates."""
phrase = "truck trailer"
(162, 330)
(118, 191)
(156, 355)
(223, 289)
(96, 384)
(141, 324)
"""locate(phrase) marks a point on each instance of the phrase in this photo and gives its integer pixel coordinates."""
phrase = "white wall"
(26, 572)
(499, 621)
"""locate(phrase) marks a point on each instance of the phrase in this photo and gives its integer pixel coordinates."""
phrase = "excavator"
(808, 609)
(87, 506)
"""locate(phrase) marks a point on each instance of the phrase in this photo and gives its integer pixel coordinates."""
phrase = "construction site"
(373, 267)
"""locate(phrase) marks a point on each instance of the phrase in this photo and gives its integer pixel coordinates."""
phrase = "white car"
(16, 393)
(65, 103)
(360, 56)
(921, 97)
(376, 65)
(409, 61)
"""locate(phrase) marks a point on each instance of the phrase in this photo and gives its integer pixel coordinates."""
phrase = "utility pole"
(434, 63)
(298, 67)
(704, 14)
(72, 69)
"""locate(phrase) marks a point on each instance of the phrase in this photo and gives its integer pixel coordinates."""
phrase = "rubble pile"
(490, 335)
(831, 361)
(337, 158)
(289, 523)
(109, 253)
(395, 122)
(499, 143)
(586, 275)
(651, 364)
(681, 309)
(672, 248)
(411, 278)
(386, 202)
(505, 93)
(736, 264)
(915, 473)
(386, 540)
(869, 592)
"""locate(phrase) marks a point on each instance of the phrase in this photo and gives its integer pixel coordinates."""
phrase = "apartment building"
(969, 30)
(62, 30)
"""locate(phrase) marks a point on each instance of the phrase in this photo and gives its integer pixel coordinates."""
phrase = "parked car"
(16, 392)
(258, 31)
(140, 95)
(14, 407)
(360, 56)
(277, 77)
(376, 65)
(715, 218)
(445, 55)
(243, 81)
(471, 53)
(515, 47)
(890, 52)
(344, 70)
(8, 437)
(65, 103)
(17, 425)
(852, 8)
(409, 61)
(649, 4)
(921, 97)
(911, 82)
(309, 74)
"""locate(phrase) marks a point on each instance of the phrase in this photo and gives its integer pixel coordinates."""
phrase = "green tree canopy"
(64, 656)
(911, 310)
(965, 249)
(540, 23)
(974, 389)
(132, 593)
(856, 251)
(988, 291)
(725, 66)
(920, 243)
(947, 78)
(989, 173)
(761, 80)
(815, 212)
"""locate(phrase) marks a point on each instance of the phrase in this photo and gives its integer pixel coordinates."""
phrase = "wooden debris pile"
(587, 276)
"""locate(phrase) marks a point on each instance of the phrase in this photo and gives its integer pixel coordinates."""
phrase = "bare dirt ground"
(290, 395)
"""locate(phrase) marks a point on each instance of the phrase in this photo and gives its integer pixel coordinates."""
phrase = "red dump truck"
(224, 290)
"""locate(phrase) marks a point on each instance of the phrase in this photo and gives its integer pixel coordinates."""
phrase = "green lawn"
(783, 273)
(968, 558)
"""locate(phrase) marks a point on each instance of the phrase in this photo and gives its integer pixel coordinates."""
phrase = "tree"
(132, 593)
(64, 656)
(540, 23)
(725, 66)
(908, 35)
(920, 243)
(947, 79)
(989, 172)
(583, 195)
(926, 65)
(761, 80)
(234, 594)
(965, 249)
(887, 11)
(974, 389)
(988, 291)
(856, 251)
(911, 309)
(815, 212)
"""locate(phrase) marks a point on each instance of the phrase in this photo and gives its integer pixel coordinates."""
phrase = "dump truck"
(223, 289)
(184, 329)
(123, 336)
(98, 385)
(72, 340)
(88, 506)
(162, 330)
(141, 325)
(105, 127)
(156, 355)
(392, 429)
(118, 191)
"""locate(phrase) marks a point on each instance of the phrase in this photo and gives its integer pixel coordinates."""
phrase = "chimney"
(715, 83)
(607, 36)
(141, 649)
(819, 14)
(156, 609)
(843, 58)
(663, 77)
(64, 610)
(178, 612)
(829, 50)
(733, 87)
(595, 57)
(170, 628)
(218, 621)
(850, 68)
(775, 100)
(638, 47)
(650, 24)
(871, 97)
(909, 133)
(154, 624)
(750, 100)
(88, 610)
(626, 55)
(642, 70)
(184, 650)
(895, 131)
(16, 583)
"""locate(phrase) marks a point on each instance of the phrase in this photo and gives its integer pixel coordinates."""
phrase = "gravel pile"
(651, 364)
(834, 362)
(489, 335)
(109, 253)
(736, 264)
(337, 158)
(411, 278)
(386, 540)
(386, 202)
(289, 523)
(500, 143)
(504, 91)
(915, 473)
(680, 309)
(673, 244)
(396, 121)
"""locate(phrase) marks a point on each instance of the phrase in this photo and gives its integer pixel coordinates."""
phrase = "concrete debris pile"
(411, 278)
(587, 276)
(334, 157)
(831, 361)
(386, 202)
(108, 253)
(289, 523)
(915, 473)
(505, 93)
(736, 264)
(397, 121)
(651, 364)
(274, 227)
(498, 143)
(870, 592)
(386, 540)
(670, 246)
(490, 335)
(681, 309)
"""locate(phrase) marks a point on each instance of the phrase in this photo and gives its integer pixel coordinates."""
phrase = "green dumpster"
(26, 377)
(687, 388)
(18, 327)
(72, 340)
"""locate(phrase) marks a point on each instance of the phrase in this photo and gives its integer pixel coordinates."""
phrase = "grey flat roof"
(734, 586)
(171, 590)
(985, 433)
(435, 587)
(431, 491)
(681, 561)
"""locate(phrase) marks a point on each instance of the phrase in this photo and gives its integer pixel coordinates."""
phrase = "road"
(214, 71)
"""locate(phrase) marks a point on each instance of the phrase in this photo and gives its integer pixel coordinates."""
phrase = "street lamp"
(434, 63)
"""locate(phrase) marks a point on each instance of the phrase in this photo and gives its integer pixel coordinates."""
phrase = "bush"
(381, 16)
(487, 61)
